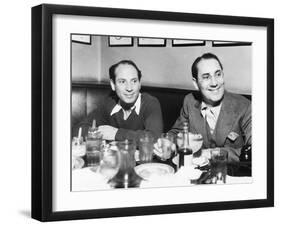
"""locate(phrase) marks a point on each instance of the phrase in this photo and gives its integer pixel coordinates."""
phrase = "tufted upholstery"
(87, 97)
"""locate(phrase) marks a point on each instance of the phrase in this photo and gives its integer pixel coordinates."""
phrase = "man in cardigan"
(222, 118)
(127, 113)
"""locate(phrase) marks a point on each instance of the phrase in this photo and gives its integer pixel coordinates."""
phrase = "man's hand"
(162, 150)
(108, 132)
(208, 152)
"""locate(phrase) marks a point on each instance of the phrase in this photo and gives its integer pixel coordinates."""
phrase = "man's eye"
(206, 77)
(121, 81)
(218, 74)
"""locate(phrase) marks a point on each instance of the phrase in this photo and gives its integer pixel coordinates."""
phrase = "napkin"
(188, 172)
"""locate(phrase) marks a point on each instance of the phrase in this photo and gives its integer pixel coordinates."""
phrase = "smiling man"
(222, 118)
(127, 113)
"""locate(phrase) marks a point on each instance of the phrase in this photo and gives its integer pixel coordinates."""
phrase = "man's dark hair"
(112, 69)
(205, 56)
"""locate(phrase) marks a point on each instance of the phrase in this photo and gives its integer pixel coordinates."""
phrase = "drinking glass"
(93, 148)
(78, 147)
(146, 142)
(110, 160)
(218, 162)
(167, 145)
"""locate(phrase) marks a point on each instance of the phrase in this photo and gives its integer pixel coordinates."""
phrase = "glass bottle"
(185, 152)
(126, 176)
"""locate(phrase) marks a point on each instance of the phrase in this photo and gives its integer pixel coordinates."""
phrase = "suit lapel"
(198, 121)
(225, 120)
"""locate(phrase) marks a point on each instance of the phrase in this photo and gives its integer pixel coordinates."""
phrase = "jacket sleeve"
(183, 117)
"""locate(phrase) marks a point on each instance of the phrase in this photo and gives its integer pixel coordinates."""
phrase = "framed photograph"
(156, 42)
(79, 174)
(120, 41)
(177, 42)
(81, 38)
(230, 43)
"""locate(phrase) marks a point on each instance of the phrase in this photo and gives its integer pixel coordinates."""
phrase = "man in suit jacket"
(222, 118)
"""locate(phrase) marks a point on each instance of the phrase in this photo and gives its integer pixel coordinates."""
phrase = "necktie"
(210, 118)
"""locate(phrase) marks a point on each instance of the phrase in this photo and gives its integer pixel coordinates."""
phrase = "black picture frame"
(42, 106)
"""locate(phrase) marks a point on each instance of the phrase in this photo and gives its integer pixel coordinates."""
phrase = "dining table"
(155, 173)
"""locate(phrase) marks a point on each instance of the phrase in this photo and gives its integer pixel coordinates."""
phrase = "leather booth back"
(87, 97)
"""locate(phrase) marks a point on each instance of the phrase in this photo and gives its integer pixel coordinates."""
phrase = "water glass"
(78, 147)
(167, 145)
(218, 162)
(110, 160)
(146, 142)
(93, 148)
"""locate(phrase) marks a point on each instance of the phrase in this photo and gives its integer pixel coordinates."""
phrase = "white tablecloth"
(85, 179)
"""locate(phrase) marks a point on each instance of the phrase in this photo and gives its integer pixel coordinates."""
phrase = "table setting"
(146, 163)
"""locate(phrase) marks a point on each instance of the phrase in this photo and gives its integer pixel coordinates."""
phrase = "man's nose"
(129, 86)
(213, 81)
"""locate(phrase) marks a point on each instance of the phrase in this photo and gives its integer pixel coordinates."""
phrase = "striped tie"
(210, 117)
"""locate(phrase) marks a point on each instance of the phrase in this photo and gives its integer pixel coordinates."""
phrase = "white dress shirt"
(211, 114)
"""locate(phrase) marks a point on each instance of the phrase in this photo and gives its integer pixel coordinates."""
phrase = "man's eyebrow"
(219, 70)
(207, 73)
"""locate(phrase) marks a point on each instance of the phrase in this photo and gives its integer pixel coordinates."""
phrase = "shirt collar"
(137, 105)
(215, 110)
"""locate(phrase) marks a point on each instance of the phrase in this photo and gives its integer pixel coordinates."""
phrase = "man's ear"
(112, 84)
(194, 81)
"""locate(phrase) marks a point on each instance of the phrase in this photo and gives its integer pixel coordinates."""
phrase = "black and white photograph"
(160, 117)
(145, 112)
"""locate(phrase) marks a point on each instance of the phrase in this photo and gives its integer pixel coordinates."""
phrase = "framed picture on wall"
(180, 42)
(120, 41)
(156, 42)
(230, 43)
(76, 176)
(81, 38)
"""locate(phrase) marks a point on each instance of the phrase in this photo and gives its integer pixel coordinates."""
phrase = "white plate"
(148, 170)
